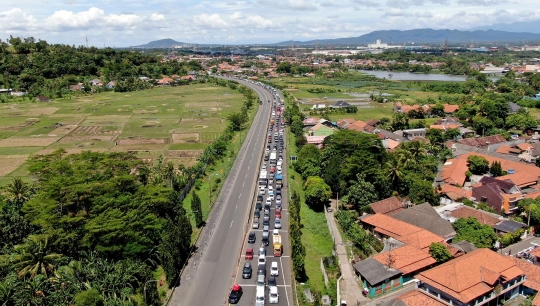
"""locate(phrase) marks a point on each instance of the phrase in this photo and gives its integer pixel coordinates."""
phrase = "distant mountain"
(162, 43)
(521, 26)
(424, 36)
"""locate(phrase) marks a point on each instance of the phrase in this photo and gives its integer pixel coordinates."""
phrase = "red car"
(249, 254)
(278, 213)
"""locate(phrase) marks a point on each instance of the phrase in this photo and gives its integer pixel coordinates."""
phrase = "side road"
(350, 289)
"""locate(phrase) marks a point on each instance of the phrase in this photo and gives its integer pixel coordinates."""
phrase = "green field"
(175, 122)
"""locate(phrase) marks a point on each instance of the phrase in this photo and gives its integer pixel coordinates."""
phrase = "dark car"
(235, 295)
(257, 213)
(272, 281)
(259, 198)
(266, 222)
(258, 206)
(261, 270)
(252, 237)
(278, 192)
(265, 240)
(246, 272)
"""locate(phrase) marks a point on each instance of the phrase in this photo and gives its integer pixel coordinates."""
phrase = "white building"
(380, 45)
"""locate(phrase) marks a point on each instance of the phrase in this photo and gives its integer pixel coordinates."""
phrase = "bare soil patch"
(82, 138)
(186, 137)
(184, 153)
(27, 141)
(9, 163)
(139, 141)
(71, 150)
(143, 111)
(47, 111)
(28, 122)
(63, 130)
(188, 161)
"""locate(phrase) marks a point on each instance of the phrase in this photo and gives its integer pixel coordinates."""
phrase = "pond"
(408, 76)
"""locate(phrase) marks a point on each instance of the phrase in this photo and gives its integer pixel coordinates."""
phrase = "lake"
(407, 76)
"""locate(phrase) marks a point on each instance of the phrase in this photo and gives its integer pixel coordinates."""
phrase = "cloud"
(16, 19)
(394, 12)
(424, 14)
(63, 20)
(206, 21)
(300, 5)
(480, 2)
(157, 17)
(367, 3)
(252, 21)
(333, 16)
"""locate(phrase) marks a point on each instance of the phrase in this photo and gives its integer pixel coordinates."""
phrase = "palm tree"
(18, 191)
(394, 166)
(33, 257)
(405, 158)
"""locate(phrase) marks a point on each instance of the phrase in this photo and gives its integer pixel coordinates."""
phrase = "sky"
(124, 23)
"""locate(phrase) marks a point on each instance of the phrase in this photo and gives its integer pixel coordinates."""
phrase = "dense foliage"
(481, 235)
(48, 69)
(439, 252)
(298, 250)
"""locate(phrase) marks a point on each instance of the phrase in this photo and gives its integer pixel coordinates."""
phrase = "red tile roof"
(357, 126)
(481, 216)
(455, 193)
(390, 226)
(532, 272)
(408, 259)
(483, 141)
(387, 206)
(419, 297)
(471, 275)
(449, 108)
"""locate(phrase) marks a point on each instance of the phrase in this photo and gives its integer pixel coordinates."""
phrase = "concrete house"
(321, 130)
(501, 195)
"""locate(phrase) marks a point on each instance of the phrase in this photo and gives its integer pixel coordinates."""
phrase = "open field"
(183, 119)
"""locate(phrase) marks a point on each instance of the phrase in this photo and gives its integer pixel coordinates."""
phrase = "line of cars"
(269, 198)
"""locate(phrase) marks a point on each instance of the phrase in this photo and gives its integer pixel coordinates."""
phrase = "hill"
(425, 36)
(520, 26)
(162, 43)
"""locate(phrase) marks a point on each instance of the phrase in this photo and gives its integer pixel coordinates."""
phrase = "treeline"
(47, 69)
(298, 251)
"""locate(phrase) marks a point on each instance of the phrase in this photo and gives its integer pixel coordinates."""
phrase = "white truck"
(273, 156)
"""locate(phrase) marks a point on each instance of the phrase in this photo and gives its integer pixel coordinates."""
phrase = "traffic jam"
(260, 271)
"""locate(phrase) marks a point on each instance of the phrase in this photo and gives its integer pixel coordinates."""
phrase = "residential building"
(411, 133)
(500, 194)
(475, 278)
(340, 104)
(532, 280)
(357, 126)
(408, 259)
(310, 122)
(426, 217)
(414, 298)
(376, 277)
(345, 122)
(321, 130)
(387, 206)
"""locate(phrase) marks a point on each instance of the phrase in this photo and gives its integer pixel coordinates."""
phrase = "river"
(407, 76)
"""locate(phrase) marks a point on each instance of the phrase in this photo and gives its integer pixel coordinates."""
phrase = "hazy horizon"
(125, 23)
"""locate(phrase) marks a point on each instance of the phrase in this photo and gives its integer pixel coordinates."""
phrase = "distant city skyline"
(124, 23)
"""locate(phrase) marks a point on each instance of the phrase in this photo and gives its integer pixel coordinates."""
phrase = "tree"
(361, 193)
(439, 252)
(196, 209)
(284, 67)
(531, 208)
(481, 235)
(175, 245)
(237, 121)
(477, 164)
(438, 110)
(318, 193)
(34, 257)
(496, 169)
(393, 170)
(422, 191)
(435, 136)
(89, 297)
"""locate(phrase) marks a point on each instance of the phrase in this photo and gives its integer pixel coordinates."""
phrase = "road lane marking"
(231, 223)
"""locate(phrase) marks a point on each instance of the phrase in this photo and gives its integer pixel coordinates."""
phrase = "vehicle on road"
(257, 213)
(236, 294)
(274, 296)
(259, 297)
(278, 200)
(266, 222)
(252, 237)
(249, 254)
(255, 222)
(258, 206)
(277, 246)
(275, 232)
(277, 213)
(261, 270)
(274, 270)
(277, 223)
(272, 282)
(246, 271)
(262, 250)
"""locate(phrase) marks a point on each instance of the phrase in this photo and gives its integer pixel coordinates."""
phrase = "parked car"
(261, 260)
(272, 282)
(246, 272)
(261, 269)
(249, 254)
(236, 294)
(252, 238)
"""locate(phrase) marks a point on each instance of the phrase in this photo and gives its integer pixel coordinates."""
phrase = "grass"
(96, 122)
(315, 233)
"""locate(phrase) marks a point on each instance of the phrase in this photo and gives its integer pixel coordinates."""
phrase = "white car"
(277, 223)
(262, 190)
(274, 271)
(262, 260)
(270, 188)
(268, 201)
(271, 195)
(274, 296)
(275, 232)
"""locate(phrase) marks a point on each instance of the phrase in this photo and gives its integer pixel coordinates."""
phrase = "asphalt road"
(211, 272)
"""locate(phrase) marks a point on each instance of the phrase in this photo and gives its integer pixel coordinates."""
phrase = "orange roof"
(448, 108)
(392, 144)
(357, 126)
(407, 259)
(453, 171)
(533, 195)
(419, 297)
(481, 216)
(455, 192)
(504, 149)
(390, 226)
(387, 206)
(444, 127)
(525, 146)
(421, 239)
(471, 275)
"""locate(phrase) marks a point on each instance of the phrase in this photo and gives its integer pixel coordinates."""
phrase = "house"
(387, 206)
(345, 122)
(111, 84)
(357, 126)
(450, 108)
(532, 274)
(340, 104)
(96, 82)
(454, 193)
(377, 277)
(318, 106)
(411, 133)
(405, 109)
(408, 259)
(310, 122)
(482, 141)
(189, 78)
(413, 298)
(76, 87)
(475, 278)
(513, 108)
(426, 217)
(321, 129)
(165, 81)
(463, 211)
(508, 226)
(316, 140)
(500, 194)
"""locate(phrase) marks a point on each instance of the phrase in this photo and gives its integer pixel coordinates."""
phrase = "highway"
(211, 272)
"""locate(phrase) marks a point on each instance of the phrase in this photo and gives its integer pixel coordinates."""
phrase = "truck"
(278, 247)
(272, 120)
(273, 158)
(279, 181)
(263, 178)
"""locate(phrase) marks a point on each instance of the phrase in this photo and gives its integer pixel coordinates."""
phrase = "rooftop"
(387, 206)
(471, 275)
(426, 217)
(408, 259)
(480, 215)
(374, 272)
